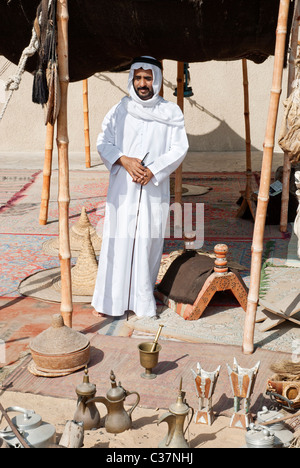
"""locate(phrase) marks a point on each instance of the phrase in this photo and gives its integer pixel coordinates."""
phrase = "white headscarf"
(156, 108)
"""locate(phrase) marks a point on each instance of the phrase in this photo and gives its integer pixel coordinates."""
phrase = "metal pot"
(35, 432)
(259, 437)
(283, 436)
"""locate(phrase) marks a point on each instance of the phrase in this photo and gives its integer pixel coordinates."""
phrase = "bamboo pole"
(180, 100)
(63, 164)
(247, 115)
(86, 124)
(49, 151)
(47, 175)
(286, 161)
(161, 92)
(178, 172)
(247, 200)
(263, 195)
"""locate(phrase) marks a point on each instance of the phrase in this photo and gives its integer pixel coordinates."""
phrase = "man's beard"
(144, 97)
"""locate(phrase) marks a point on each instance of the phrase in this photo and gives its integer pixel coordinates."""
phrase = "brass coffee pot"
(175, 419)
(117, 419)
(87, 413)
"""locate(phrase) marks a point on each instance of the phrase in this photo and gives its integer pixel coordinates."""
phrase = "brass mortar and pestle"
(149, 355)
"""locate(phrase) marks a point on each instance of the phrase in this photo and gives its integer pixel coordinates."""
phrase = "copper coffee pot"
(117, 419)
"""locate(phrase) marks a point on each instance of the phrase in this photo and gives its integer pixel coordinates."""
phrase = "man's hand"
(134, 167)
(147, 177)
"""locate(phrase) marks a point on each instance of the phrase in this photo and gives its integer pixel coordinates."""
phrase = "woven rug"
(222, 322)
(14, 185)
(220, 207)
(21, 256)
(22, 237)
(21, 215)
(23, 318)
(88, 189)
(175, 362)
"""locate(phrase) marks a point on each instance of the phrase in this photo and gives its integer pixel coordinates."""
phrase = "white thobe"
(128, 269)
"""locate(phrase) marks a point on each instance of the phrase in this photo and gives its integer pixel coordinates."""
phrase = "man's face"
(143, 83)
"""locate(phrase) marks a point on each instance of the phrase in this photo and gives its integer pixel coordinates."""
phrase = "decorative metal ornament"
(205, 384)
(242, 384)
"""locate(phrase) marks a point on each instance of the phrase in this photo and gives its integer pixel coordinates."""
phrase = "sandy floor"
(145, 432)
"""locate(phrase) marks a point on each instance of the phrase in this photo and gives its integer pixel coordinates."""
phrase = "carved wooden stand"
(220, 280)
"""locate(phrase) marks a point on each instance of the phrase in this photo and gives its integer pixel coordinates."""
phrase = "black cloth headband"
(147, 60)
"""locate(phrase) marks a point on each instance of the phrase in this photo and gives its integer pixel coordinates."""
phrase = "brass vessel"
(117, 419)
(87, 413)
(149, 353)
(175, 419)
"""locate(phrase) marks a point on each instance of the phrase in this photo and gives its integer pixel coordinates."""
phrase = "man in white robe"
(137, 208)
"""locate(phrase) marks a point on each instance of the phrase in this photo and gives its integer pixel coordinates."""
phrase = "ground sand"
(145, 432)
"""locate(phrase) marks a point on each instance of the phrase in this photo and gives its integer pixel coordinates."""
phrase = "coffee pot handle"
(129, 412)
(191, 418)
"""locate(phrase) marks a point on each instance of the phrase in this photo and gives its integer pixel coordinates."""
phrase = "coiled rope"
(14, 81)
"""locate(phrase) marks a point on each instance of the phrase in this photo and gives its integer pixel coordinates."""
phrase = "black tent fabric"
(106, 35)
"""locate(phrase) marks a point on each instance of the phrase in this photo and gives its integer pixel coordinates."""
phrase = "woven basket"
(60, 349)
(84, 273)
(77, 233)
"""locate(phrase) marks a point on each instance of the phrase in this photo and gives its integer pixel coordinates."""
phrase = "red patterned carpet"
(22, 237)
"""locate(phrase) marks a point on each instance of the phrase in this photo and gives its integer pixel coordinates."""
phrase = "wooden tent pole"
(47, 175)
(247, 115)
(247, 201)
(63, 164)
(178, 172)
(180, 100)
(161, 92)
(263, 195)
(49, 151)
(286, 161)
(86, 124)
